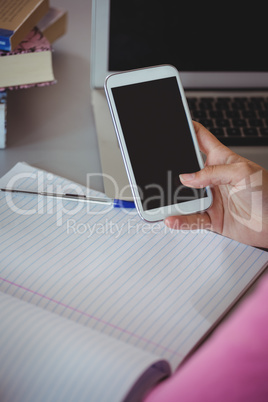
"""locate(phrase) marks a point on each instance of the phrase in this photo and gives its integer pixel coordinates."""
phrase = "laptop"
(219, 52)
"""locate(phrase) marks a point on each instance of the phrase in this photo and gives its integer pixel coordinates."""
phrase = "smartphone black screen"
(158, 140)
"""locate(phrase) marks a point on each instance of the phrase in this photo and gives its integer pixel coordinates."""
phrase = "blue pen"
(78, 197)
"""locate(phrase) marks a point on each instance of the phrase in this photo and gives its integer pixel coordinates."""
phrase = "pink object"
(230, 366)
(34, 42)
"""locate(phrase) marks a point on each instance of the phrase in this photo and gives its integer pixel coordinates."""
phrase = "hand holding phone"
(157, 141)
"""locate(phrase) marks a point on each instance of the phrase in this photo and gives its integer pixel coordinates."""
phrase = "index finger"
(216, 152)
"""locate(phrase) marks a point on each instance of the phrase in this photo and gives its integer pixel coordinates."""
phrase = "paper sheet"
(45, 357)
(106, 269)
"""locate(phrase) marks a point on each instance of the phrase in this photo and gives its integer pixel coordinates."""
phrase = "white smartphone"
(157, 140)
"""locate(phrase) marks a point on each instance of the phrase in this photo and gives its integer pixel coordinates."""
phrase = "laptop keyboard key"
(216, 114)
(233, 132)
(255, 122)
(254, 105)
(207, 99)
(238, 105)
(264, 131)
(233, 114)
(199, 114)
(263, 113)
(223, 99)
(206, 122)
(240, 99)
(250, 131)
(205, 105)
(222, 122)
(256, 99)
(239, 123)
(249, 114)
(218, 132)
(222, 106)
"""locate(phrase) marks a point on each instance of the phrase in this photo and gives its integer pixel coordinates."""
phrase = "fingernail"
(187, 176)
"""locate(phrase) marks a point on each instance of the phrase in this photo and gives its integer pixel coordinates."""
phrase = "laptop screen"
(190, 36)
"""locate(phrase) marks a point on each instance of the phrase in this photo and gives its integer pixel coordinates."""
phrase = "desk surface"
(53, 128)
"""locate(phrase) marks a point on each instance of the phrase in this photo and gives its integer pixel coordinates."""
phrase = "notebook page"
(45, 357)
(157, 289)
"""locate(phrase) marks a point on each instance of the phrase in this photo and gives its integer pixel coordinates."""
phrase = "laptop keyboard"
(233, 120)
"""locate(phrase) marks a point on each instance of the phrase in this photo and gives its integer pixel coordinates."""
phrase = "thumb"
(215, 175)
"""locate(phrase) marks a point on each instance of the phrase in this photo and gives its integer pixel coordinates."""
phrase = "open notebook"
(98, 305)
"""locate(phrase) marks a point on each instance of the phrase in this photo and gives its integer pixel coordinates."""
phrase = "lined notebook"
(95, 303)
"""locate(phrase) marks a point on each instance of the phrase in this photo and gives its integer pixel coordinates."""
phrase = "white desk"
(53, 128)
